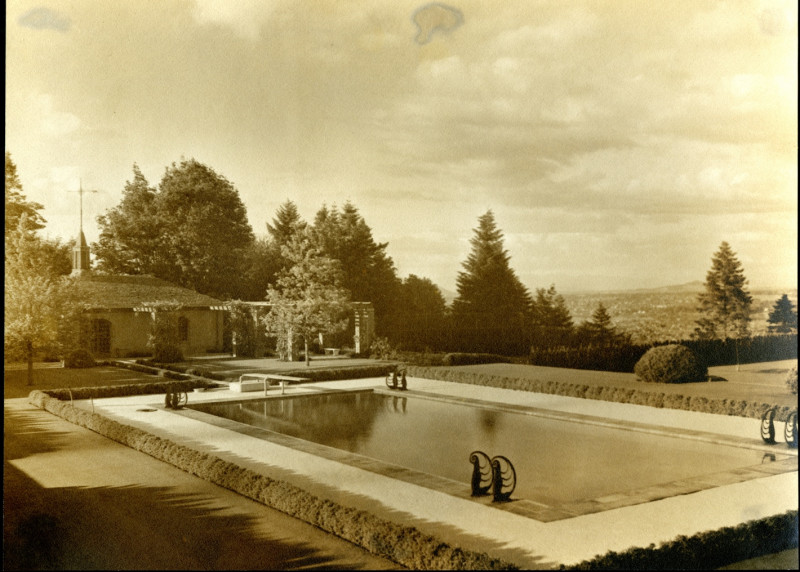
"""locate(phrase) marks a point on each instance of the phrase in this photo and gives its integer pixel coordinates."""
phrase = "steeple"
(80, 254)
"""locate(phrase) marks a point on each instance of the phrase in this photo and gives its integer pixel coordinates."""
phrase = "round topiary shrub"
(791, 380)
(672, 363)
(79, 359)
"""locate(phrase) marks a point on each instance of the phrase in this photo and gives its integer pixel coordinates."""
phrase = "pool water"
(556, 460)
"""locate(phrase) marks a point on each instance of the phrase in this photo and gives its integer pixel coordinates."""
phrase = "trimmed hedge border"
(708, 550)
(404, 545)
(734, 407)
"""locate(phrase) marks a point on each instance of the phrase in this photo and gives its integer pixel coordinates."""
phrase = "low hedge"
(735, 407)
(335, 374)
(473, 359)
(404, 545)
(707, 550)
(65, 394)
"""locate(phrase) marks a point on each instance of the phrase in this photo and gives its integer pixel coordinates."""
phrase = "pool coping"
(783, 461)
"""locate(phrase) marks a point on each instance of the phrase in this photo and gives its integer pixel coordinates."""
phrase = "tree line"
(192, 229)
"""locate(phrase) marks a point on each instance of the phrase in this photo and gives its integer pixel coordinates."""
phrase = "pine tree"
(369, 273)
(725, 303)
(599, 330)
(783, 317)
(551, 321)
(287, 220)
(490, 296)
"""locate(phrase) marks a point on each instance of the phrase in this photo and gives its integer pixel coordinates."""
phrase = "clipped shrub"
(167, 354)
(791, 380)
(473, 359)
(77, 359)
(672, 363)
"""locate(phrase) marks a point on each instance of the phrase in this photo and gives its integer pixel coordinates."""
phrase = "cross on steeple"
(80, 192)
(80, 254)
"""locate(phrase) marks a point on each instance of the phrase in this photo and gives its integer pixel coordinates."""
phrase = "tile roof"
(129, 291)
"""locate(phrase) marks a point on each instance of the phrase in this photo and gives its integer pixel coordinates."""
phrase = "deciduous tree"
(192, 231)
(308, 298)
(17, 204)
(725, 302)
(38, 301)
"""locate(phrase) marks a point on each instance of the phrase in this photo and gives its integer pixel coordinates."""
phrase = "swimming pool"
(558, 460)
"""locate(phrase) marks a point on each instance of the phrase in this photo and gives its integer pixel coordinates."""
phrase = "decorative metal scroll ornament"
(481, 473)
(175, 399)
(790, 431)
(397, 379)
(768, 426)
(504, 478)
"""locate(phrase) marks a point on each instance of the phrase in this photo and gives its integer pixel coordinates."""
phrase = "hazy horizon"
(617, 143)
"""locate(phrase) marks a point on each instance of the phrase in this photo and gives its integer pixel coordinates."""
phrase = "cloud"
(244, 17)
(50, 121)
(44, 19)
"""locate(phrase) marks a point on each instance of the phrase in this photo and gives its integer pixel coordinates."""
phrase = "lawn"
(755, 382)
(49, 376)
(761, 382)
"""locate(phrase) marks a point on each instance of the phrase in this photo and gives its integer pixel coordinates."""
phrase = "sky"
(618, 143)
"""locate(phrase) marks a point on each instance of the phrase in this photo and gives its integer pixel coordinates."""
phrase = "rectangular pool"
(557, 460)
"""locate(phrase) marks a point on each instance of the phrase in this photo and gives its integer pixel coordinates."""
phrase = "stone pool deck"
(522, 532)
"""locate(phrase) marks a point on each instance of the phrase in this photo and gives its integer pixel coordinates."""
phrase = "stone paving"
(527, 533)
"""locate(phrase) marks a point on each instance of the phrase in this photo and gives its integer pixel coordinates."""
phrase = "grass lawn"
(48, 376)
(755, 382)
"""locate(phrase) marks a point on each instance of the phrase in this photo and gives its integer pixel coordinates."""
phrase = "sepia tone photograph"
(372, 284)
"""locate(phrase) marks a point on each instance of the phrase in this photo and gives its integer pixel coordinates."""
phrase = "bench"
(331, 351)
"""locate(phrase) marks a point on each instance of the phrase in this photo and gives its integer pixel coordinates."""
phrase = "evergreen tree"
(131, 238)
(783, 317)
(16, 203)
(422, 313)
(725, 303)
(551, 321)
(490, 296)
(286, 222)
(368, 272)
(600, 331)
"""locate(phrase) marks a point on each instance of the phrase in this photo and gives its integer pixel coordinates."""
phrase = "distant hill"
(449, 295)
(661, 313)
(666, 313)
